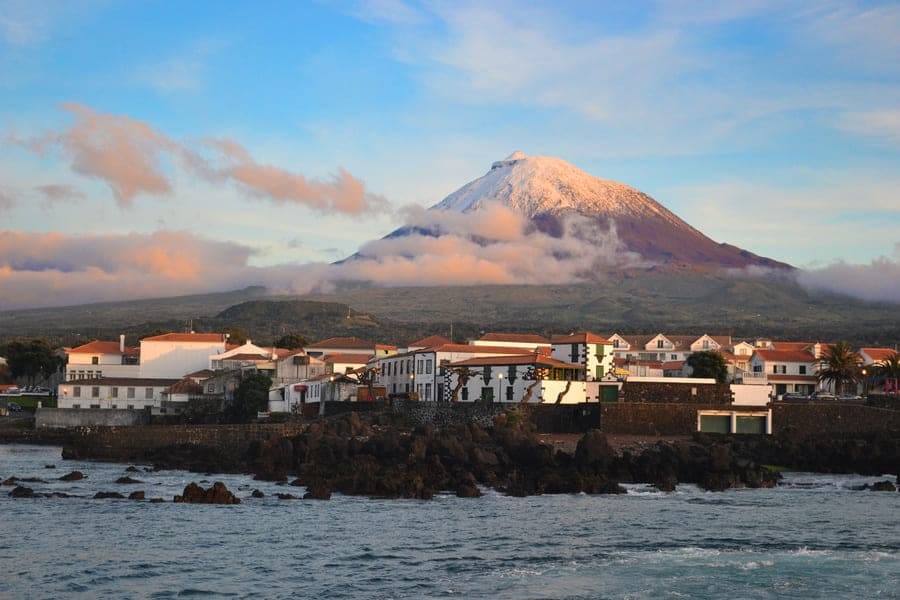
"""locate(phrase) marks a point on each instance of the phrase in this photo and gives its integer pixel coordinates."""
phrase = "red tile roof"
(479, 349)
(343, 343)
(186, 337)
(122, 382)
(521, 359)
(796, 346)
(246, 357)
(348, 358)
(785, 356)
(432, 340)
(879, 354)
(98, 347)
(185, 386)
(201, 374)
(518, 338)
(580, 338)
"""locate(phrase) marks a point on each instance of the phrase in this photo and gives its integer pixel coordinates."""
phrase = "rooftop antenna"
(451, 332)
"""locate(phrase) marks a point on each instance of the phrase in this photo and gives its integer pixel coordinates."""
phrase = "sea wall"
(651, 418)
(61, 418)
(667, 393)
(120, 443)
(815, 418)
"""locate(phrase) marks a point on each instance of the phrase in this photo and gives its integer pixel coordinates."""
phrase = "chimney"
(122, 343)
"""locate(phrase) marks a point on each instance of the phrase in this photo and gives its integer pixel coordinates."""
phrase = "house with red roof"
(593, 352)
(785, 371)
(876, 356)
(522, 379)
(98, 359)
(528, 341)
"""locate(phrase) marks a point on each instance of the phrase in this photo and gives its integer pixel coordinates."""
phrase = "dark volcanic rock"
(128, 480)
(105, 495)
(468, 491)
(883, 486)
(20, 491)
(11, 482)
(136, 496)
(73, 476)
(132, 469)
(285, 496)
(318, 491)
(258, 494)
(156, 500)
(49, 466)
(217, 494)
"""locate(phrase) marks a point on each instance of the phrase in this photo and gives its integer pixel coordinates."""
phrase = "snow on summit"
(542, 184)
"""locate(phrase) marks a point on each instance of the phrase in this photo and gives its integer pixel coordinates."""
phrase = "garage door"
(715, 423)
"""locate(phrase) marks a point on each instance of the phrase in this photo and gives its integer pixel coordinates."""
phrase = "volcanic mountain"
(546, 190)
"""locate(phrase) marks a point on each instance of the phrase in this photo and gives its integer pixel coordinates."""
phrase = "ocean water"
(813, 537)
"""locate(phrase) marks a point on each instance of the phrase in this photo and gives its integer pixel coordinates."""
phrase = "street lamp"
(499, 387)
(865, 383)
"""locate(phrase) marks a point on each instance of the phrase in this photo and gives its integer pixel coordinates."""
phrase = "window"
(71, 375)
(509, 394)
(131, 407)
(99, 374)
(428, 367)
(803, 369)
(80, 374)
(465, 393)
(95, 392)
(783, 369)
(114, 392)
(615, 343)
(76, 391)
(674, 357)
(90, 374)
(757, 369)
(774, 368)
(573, 352)
(95, 360)
(210, 388)
(114, 406)
(659, 344)
(409, 366)
(428, 391)
(76, 406)
(131, 392)
(95, 406)
(148, 393)
(705, 344)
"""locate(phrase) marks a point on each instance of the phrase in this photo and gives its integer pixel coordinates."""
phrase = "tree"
(889, 367)
(708, 364)
(30, 359)
(840, 366)
(236, 335)
(291, 341)
(251, 397)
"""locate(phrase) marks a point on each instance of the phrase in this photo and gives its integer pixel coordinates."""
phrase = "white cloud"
(880, 123)
(878, 280)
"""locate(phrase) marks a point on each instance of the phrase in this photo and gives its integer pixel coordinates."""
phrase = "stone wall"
(446, 414)
(813, 418)
(58, 418)
(698, 393)
(651, 418)
(119, 443)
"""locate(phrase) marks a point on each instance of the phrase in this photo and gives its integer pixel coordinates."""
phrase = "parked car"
(850, 398)
(13, 407)
(822, 396)
(794, 396)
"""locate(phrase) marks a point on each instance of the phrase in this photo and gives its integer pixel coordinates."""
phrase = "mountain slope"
(547, 189)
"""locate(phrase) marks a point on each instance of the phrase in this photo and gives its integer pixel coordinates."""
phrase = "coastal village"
(173, 373)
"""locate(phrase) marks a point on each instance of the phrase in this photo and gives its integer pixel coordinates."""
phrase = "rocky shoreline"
(372, 455)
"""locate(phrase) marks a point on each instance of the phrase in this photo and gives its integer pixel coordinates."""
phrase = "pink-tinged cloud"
(134, 158)
(878, 280)
(53, 193)
(52, 269)
(342, 193)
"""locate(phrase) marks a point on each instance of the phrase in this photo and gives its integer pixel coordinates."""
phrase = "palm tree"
(840, 366)
(889, 367)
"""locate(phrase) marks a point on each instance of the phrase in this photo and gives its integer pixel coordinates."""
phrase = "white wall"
(105, 398)
(173, 360)
(750, 395)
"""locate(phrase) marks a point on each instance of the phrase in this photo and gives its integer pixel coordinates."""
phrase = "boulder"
(20, 491)
(217, 494)
(128, 480)
(49, 466)
(136, 496)
(883, 486)
(105, 495)
(258, 494)
(467, 491)
(318, 491)
(285, 496)
(132, 469)
(73, 476)
(156, 500)
(11, 482)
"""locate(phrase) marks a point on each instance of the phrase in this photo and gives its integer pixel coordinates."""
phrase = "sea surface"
(813, 537)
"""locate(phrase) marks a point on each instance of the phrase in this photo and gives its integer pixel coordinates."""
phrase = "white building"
(419, 371)
(98, 359)
(784, 371)
(172, 355)
(113, 392)
(524, 379)
(351, 345)
(526, 341)
(297, 366)
(593, 352)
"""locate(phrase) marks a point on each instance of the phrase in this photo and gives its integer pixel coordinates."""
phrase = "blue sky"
(772, 125)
